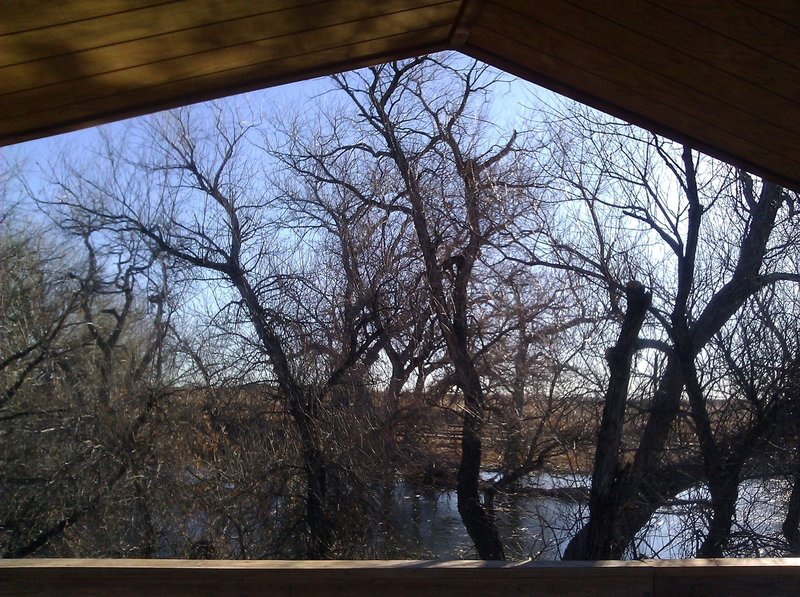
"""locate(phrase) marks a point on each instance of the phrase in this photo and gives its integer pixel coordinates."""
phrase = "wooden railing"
(196, 578)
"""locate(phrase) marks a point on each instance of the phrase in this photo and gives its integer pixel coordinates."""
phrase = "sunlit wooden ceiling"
(723, 75)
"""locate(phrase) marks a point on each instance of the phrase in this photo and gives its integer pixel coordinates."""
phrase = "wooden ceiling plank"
(785, 11)
(687, 38)
(626, 102)
(89, 89)
(175, 93)
(136, 24)
(27, 15)
(774, 39)
(542, 36)
(750, 39)
(96, 61)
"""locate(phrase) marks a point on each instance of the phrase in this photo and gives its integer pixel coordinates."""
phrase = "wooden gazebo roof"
(722, 75)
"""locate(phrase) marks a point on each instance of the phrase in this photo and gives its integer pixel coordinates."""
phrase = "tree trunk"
(724, 488)
(514, 448)
(316, 481)
(396, 382)
(478, 521)
(722, 472)
(303, 410)
(319, 547)
(596, 540)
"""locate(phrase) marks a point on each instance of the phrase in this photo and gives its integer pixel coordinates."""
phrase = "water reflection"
(539, 521)
(426, 523)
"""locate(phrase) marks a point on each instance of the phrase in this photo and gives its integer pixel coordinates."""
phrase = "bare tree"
(625, 183)
(198, 196)
(253, 331)
(416, 148)
(76, 425)
(537, 319)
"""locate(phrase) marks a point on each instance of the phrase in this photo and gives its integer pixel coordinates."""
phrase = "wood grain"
(214, 38)
(723, 75)
(768, 27)
(785, 11)
(651, 86)
(388, 578)
(39, 14)
(149, 21)
(626, 103)
(113, 104)
(672, 43)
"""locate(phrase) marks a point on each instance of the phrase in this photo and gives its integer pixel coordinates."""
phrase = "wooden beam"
(470, 9)
(194, 578)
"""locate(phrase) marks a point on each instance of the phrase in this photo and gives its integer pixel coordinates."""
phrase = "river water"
(422, 522)
(425, 522)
